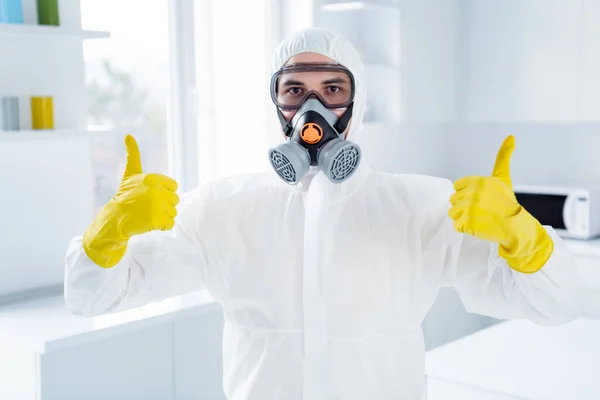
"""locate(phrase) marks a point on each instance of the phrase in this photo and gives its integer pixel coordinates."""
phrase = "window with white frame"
(233, 53)
(127, 84)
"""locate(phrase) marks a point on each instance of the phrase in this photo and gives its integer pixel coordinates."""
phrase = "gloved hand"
(486, 207)
(143, 203)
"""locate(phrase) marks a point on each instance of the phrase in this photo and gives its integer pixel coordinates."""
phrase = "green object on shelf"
(47, 11)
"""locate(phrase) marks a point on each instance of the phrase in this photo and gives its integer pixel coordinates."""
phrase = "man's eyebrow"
(334, 80)
(292, 82)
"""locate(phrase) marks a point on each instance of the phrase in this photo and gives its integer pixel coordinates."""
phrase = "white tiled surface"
(524, 361)
(46, 325)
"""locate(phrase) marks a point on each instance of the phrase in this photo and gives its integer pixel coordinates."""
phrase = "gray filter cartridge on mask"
(339, 159)
(315, 141)
(291, 161)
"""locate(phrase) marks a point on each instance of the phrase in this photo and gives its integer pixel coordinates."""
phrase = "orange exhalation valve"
(311, 133)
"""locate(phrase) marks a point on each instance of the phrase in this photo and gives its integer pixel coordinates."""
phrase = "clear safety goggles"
(331, 83)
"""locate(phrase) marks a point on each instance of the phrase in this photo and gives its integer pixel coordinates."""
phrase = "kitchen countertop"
(524, 360)
(45, 325)
(586, 248)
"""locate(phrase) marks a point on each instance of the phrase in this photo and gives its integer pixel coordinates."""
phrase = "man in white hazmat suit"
(324, 283)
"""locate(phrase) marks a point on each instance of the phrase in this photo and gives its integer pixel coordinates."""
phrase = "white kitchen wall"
(523, 60)
(540, 87)
(545, 153)
(532, 70)
(478, 70)
(406, 147)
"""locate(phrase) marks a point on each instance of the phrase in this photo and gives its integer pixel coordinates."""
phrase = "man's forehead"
(315, 75)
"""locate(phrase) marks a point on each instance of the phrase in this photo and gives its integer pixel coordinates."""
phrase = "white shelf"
(52, 134)
(47, 32)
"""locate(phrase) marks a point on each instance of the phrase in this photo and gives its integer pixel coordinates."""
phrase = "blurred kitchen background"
(447, 81)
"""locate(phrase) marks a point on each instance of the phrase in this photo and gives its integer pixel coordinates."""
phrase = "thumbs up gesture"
(147, 201)
(143, 203)
(481, 203)
(486, 207)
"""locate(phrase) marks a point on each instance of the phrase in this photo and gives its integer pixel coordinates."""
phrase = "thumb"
(502, 165)
(134, 163)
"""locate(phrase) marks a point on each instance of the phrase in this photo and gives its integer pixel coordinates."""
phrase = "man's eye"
(294, 90)
(334, 89)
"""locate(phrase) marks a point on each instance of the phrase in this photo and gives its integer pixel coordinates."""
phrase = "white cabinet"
(432, 71)
(372, 26)
(164, 354)
(589, 271)
(135, 365)
(375, 29)
(18, 374)
(447, 320)
(197, 344)
(130, 365)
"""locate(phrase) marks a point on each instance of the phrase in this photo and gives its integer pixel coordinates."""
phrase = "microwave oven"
(573, 212)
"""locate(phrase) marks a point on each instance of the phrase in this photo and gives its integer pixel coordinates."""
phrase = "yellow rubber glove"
(486, 207)
(143, 203)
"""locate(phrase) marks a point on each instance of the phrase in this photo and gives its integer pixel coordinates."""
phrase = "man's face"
(330, 85)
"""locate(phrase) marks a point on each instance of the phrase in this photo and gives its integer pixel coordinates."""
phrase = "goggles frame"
(311, 67)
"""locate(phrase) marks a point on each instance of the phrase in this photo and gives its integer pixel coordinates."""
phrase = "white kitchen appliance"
(574, 212)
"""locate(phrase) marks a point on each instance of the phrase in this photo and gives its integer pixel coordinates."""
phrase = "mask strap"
(287, 128)
(342, 123)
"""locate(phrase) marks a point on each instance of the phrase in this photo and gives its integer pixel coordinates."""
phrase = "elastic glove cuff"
(531, 246)
(103, 242)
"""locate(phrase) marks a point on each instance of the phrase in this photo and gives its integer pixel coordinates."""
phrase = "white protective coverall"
(324, 286)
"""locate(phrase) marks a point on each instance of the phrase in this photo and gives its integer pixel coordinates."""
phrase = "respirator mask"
(315, 133)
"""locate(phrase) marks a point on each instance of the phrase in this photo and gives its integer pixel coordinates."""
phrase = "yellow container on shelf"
(42, 112)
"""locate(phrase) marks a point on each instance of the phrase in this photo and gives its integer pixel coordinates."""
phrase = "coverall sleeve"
(488, 286)
(156, 266)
